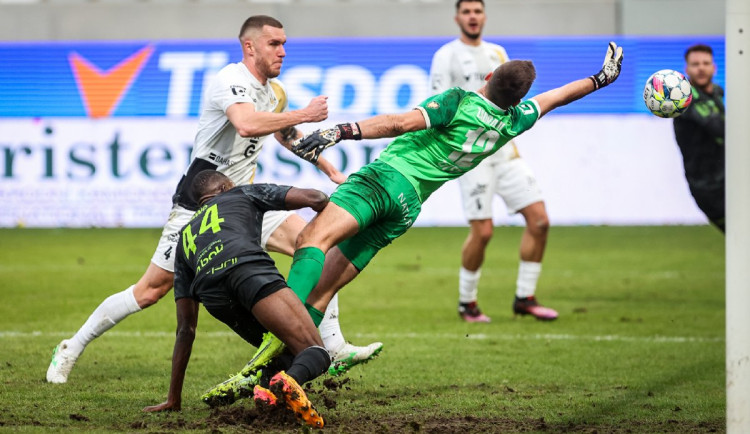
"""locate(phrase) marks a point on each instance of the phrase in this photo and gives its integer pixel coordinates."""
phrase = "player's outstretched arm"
(187, 320)
(380, 126)
(570, 92)
(392, 125)
(297, 198)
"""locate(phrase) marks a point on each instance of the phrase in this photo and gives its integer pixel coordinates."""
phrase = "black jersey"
(700, 135)
(224, 233)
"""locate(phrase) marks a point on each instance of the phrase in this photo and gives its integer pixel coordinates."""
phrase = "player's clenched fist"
(317, 109)
(310, 146)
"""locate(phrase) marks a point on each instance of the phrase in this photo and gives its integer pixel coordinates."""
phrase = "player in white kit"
(465, 63)
(243, 106)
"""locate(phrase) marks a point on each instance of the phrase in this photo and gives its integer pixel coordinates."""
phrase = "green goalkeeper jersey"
(463, 128)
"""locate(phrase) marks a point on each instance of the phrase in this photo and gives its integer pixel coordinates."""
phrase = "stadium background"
(72, 158)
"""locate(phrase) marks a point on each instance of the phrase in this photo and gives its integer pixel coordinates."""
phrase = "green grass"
(639, 346)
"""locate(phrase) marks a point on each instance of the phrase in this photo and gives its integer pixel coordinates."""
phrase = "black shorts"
(244, 286)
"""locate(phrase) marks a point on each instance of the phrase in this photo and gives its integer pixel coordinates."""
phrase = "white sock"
(468, 283)
(110, 312)
(330, 329)
(528, 275)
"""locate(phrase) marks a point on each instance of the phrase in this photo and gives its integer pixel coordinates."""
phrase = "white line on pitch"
(542, 337)
(477, 336)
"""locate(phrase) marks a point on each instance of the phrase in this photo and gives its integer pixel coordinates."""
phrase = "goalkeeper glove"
(312, 145)
(611, 68)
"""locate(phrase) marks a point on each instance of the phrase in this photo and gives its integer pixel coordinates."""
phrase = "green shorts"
(385, 205)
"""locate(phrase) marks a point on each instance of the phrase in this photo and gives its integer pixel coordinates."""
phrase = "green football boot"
(231, 390)
(269, 349)
(241, 385)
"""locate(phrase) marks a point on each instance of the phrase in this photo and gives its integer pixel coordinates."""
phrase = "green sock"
(307, 267)
(317, 316)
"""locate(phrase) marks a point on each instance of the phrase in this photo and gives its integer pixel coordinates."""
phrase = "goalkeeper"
(444, 137)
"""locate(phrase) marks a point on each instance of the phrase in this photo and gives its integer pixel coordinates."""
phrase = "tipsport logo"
(167, 79)
(170, 81)
(161, 80)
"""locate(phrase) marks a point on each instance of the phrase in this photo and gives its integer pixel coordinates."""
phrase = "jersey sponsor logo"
(434, 105)
(223, 265)
(213, 156)
(207, 255)
(252, 148)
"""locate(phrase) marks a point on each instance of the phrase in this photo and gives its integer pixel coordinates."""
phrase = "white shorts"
(511, 179)
(170, 235)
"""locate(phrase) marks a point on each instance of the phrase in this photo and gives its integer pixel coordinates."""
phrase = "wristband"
(349, 131)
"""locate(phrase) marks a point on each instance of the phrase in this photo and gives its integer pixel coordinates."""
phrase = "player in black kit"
(220, 263)
(700, 135)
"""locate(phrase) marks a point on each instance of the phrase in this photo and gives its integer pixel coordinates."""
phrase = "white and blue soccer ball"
(667, 93)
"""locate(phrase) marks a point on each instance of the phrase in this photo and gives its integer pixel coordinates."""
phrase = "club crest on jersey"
(433, 105)
(238, 90)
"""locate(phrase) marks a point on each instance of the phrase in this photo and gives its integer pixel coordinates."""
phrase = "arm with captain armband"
(312, 145)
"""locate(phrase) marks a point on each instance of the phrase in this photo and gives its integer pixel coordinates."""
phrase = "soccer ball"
(667, 93)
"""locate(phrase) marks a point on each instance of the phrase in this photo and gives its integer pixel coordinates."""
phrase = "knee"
(539, 226)
(482, 231)
(299, 241)
(305, 239)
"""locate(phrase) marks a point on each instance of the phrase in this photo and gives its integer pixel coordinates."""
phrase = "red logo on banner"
(101, 91)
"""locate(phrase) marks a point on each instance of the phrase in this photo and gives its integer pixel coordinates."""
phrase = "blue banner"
(361, 75)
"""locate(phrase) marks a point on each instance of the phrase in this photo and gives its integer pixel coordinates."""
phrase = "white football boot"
(63, 360)
(350, 356)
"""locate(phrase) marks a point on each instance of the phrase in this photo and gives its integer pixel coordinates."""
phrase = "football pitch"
(639, 345)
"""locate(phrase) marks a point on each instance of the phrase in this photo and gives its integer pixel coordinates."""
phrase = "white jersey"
(456, 64)
(218, 146)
